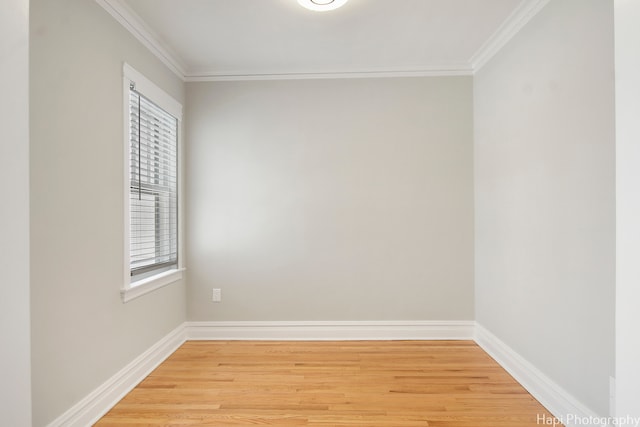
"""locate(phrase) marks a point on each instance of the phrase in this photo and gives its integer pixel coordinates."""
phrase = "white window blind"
(153, 178)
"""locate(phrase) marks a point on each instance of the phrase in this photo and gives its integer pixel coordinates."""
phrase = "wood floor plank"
(342, 383)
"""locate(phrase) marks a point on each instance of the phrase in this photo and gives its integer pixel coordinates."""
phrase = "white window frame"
(134, 288)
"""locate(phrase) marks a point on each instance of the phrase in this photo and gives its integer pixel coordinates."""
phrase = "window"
(152, 124)
(153, 189)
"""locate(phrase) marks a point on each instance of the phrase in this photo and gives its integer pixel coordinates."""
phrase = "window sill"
(150, 284)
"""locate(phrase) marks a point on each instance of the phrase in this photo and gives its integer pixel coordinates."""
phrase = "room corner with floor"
(448, 243)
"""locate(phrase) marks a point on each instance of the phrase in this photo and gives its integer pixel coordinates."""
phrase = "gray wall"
(15, 378)
(82, 333)
(627, 17)
(545, 196)
(330, 199)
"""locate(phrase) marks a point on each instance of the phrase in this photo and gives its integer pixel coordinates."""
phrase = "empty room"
(320, 212)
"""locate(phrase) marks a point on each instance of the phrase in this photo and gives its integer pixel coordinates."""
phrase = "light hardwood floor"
(334, 384)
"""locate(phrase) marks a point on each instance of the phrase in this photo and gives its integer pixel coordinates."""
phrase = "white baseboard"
(337, 330)
(558, 401)
(101, 400)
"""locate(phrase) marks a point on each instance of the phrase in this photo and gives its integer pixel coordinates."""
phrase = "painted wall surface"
(545, 196)
(627, 37)
(15, 377)
(82, 332)
(330, 199)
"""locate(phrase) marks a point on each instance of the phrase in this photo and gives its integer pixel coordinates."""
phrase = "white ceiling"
(248, 39)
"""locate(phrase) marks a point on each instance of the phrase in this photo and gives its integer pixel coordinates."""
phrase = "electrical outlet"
(216, 295)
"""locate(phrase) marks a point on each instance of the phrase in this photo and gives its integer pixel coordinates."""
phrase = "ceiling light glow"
(321, 5)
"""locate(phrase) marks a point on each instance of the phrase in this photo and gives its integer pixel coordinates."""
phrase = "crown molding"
(509, 28)
(444, 70)
(137, 27)
(141, 31)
